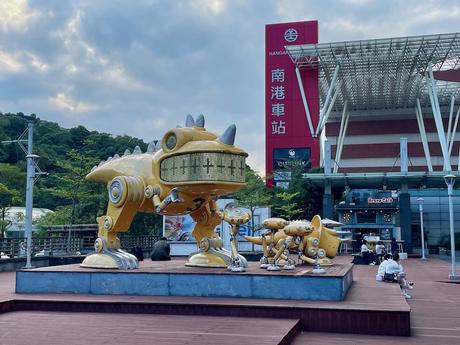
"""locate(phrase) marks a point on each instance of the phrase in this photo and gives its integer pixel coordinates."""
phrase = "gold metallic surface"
(313, 242)
(193, 169)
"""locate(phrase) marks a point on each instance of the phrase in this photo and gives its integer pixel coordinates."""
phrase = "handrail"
(58, 245)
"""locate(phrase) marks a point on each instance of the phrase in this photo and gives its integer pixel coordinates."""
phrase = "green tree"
(285, 206)
(309, 198)
(146, 224)
(72, 186)
(8, 198)
(254, 195)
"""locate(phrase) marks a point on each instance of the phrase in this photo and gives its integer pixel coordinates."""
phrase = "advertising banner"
(286, 125)
(180, 228)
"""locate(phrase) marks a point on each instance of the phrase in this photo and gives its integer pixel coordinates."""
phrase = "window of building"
(366, 217)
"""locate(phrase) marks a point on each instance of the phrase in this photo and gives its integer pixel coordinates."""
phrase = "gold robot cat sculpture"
(313, 242)
(187, 175)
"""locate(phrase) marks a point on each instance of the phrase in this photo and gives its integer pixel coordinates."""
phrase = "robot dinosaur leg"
(210, 252)
(235, 217)
(126, 194)
(210, 246)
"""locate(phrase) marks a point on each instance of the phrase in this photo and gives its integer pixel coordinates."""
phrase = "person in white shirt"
(395, 272)
(382, 267)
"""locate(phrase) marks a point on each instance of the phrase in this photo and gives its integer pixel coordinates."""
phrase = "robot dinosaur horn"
(200, 121)
(189, 121)
(228, 137)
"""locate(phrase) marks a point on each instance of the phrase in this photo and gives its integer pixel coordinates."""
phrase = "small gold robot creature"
(313, 242)
(187, 175)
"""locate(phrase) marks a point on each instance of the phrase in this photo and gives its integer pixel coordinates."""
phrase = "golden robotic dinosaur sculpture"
(313, 242)
(187, 175)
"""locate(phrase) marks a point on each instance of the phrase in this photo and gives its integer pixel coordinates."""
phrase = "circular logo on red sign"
(291, 35)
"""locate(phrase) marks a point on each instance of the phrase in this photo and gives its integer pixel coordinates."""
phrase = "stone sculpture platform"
(370, 307)
(172, 278)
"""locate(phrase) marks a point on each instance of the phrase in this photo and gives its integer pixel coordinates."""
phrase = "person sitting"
(382, 267)
(138, 253)
(161, 250)
(368, 255)
(394, 273)
(380, 250)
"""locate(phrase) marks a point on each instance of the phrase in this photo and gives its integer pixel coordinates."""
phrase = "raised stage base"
(172, 278)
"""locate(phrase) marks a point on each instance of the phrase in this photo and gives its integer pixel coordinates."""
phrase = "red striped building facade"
(374, 145)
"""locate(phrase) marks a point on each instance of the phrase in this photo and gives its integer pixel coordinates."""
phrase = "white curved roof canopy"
(384, 74)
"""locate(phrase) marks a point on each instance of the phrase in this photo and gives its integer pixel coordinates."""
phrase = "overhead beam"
(304, 100)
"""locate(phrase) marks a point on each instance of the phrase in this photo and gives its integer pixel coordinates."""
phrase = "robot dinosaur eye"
(171, 141)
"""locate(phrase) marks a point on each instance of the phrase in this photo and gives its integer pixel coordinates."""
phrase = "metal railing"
(58, 245)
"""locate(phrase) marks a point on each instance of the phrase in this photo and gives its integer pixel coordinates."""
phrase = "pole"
(453, 274)
(29, 193)
(420, 208)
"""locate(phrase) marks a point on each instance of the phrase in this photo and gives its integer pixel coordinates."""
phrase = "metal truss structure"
(397, 76)
(381, 73)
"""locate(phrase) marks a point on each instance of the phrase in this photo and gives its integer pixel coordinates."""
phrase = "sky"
(139, 67)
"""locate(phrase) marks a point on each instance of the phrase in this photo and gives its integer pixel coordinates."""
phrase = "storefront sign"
(388, 200)
(292, 158)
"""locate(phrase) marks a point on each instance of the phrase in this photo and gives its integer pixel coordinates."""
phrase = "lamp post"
(450, 180)
(420, 208)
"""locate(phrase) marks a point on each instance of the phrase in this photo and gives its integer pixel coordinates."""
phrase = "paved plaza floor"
(435, 318)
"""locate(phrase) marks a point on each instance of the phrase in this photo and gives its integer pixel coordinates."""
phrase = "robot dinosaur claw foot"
(109, 258)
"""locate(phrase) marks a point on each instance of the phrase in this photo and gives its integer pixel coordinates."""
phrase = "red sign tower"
(289, 142)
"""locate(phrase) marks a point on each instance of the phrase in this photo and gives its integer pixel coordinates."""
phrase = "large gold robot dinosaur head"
(193, 156)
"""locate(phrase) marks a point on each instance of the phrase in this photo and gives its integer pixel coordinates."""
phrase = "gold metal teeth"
(203, 166)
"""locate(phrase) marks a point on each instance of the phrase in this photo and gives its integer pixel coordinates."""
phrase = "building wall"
(435, 214)
(373, 145)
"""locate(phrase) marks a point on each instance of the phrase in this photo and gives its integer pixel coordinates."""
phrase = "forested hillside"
(67, 155)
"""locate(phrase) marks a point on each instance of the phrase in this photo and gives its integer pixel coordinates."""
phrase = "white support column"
(458, 164)
(338, 154)
(339, 138)
(421, 126)
(403, 155)
(327, 157)
(437, 118)
(322, 148)
(304, 100)
(331, 87)
(323, 119)
(454, 130)
(451, 113)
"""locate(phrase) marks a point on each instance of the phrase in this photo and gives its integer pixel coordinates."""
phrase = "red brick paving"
(55, 328)
(435, 309)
